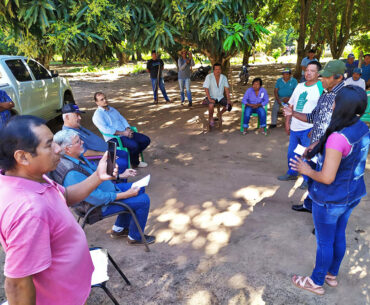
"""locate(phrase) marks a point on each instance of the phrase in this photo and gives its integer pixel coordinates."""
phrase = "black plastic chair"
(91, 214)
(100, 277)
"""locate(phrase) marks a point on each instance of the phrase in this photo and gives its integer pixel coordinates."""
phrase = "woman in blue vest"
(338, 185)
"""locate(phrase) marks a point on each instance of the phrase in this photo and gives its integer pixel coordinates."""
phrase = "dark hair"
(368, 54)
(18, 135)
(350, 105)
(257, 79)
(216, 65)
(316, 63)
(311, 51)
(154, 52)
(96, 95)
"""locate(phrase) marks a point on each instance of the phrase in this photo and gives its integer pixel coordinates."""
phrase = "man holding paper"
(74, 168)
(303, 100)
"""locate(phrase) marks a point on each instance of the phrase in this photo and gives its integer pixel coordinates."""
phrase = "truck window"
(19, 70)
(38, 71)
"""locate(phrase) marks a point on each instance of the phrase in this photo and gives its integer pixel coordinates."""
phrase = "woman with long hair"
(338, 185)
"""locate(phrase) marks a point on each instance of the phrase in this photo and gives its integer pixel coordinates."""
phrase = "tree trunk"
(122, 57)
(247, 53)
(45, 60)
(133, 57)
(138, 55)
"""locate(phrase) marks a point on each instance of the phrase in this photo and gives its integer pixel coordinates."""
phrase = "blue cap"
(70, 108)
(357, 70)
(351, 55)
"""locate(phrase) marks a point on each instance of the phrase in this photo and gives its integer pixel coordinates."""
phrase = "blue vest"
(349, 184)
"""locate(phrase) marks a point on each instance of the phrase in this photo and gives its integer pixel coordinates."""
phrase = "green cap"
(333, 67)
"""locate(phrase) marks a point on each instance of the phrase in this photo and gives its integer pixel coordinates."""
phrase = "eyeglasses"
(77, 142)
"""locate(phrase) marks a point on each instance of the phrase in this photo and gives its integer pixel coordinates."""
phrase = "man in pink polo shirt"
(47, 257)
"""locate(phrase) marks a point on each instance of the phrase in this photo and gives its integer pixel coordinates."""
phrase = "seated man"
(366, 70)
(93, 144)
(214, 85)
(74, 168)
(356, 79)
(108, 120)
(6, 104)
(284, 88)
(351, 64)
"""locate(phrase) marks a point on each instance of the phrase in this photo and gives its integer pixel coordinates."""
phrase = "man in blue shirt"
(366, 70)
(351, 63)
(107, 191)
(6, 104)
(109, 121)
(284, 88)
(93, 144)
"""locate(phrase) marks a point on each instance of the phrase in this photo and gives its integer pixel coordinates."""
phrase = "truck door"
(48, 86)
(24, 86)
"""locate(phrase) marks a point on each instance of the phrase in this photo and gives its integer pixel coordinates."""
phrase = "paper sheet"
(100, 261)
(299, 150)
(142, 182)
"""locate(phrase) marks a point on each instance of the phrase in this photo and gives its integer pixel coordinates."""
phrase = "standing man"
(185, 63)
(356, 79)
(332, 81)
(47, 258)
(351, 64)
(366, 70)
(303, 100)
(155, 67)
(108, 120)
(310, 57)
(215, 86)
(284, 88)
(93, 144)
(6, 104)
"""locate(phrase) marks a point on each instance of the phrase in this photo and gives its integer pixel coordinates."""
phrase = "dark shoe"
(115, 234)
(287, 177)
(300, 208)
(149, 240)
(314, 231)
(190, 104)
(272, 126)
(304, 185)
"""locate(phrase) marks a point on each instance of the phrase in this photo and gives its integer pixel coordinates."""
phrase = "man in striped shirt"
(332, 81)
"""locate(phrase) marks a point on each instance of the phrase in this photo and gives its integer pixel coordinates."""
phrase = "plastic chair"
(253, 114)
(120, 145)
(91, 214)
(366, 116)
(100, 258)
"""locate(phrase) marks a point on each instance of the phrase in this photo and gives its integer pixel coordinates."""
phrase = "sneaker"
(115, 234)
(142, 164)
(287, 177)
(150, 239)
(272, 126)
(304, 185)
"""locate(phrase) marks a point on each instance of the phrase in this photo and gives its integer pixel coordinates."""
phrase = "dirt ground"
(226, 234)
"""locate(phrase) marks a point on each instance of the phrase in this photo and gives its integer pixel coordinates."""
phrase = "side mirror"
(54, 73)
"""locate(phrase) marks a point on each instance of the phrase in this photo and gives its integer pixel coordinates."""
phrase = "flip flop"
(301, 281)
(331, 280)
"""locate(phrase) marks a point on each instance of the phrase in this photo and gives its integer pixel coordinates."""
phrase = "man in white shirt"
(109, 121)
(215, 86)
(304, 100)
(356, 79)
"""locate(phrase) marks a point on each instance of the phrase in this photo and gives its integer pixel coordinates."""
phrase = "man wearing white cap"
(356, 79)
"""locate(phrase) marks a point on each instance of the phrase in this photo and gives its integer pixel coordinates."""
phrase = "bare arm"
(20, 291)
(78, 192)
(300, 116)
(276, 95)
(6, 106)
(288, 118)
(208, 96)
(227, 91)
(129, 193)
(329, 170)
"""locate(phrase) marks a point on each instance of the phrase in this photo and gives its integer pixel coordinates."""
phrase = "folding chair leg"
(119, 270)
(109, 294)
(141, 232)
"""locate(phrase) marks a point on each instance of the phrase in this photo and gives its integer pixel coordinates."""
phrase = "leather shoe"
(300, 208)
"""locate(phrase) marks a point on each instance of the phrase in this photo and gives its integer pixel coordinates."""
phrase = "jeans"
(161, 86)
(135, 146)
(185, 83)
(330, 222)
(261, 114)
(122, 161)
(274, 112)
(295, 138)
(139, 204)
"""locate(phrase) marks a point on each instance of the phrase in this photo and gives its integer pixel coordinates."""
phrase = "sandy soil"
(225, 231)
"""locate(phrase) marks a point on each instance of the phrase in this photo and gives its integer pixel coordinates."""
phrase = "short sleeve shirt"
(365, 72)
(304, 100)
(153, 65)
(359, 83)
(285, 89)
(216, 91)
(42, 239)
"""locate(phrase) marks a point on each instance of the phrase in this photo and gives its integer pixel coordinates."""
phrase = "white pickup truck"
(33, 89)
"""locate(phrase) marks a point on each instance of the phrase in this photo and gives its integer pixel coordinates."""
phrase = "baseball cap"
(357, 70)
(351, 55)
(286, 70)
(333, 67)
(69, 108)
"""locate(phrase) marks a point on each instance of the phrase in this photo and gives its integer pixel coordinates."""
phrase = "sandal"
(301, 282)
(331, 280)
